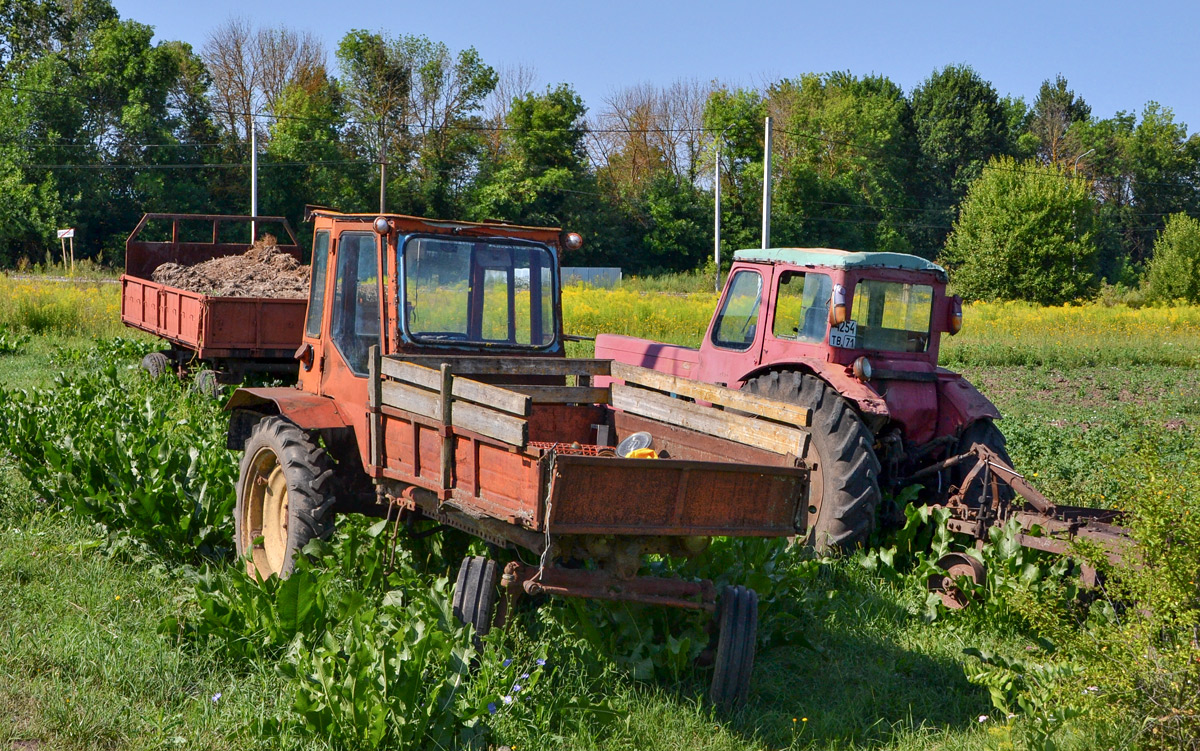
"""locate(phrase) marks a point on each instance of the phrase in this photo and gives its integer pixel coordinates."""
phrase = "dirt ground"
(262, 271)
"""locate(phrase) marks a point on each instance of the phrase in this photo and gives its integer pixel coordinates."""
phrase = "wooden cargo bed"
(539, 456)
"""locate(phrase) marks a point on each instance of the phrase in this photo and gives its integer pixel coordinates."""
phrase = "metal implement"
(991, 495)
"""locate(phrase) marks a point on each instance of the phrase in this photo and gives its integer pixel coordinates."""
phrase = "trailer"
(433, 390)
(220, 338)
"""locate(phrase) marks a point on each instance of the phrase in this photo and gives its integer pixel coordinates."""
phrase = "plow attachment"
(991, 494)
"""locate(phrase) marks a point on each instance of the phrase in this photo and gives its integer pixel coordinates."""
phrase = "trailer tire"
(737, 623)
(474, 600)
(845, 481)
(205, 382)
(985, 433)
(156, 364)
(284, 496)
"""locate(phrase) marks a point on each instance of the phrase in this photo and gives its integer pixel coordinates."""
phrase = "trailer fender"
(309, 411)
(863, 396)
(960, 403)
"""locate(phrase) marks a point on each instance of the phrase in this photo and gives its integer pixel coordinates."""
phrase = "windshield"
(892, 316)
(479, 291)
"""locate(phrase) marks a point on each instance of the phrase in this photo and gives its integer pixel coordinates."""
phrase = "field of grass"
(1101, 405)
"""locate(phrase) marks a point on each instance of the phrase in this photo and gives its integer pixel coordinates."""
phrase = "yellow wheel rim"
(265, 522)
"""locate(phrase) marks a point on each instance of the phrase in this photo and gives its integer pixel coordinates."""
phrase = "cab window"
(737, 321)
(354, 325)
(892, 316)
(802, 307)
(479, 291)
(316, 295)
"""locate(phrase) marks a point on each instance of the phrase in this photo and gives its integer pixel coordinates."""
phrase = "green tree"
(540, 179)
(1174, 272)
(846, 150)
(375, 84)
(305, 156)
(1055, 110)
(1025, 233)
(735, 118)
(960, 124)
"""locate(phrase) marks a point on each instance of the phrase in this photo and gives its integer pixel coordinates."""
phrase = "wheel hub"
(266, 516)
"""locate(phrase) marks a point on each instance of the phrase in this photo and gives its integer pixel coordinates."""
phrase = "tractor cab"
(879, 310)
(412, 285)
(870, 324)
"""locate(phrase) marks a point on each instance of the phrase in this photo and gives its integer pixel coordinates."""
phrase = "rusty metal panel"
(601, 495)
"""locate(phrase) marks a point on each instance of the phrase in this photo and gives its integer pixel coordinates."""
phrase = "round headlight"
(381, 225)
(862, 369)
(573, 241)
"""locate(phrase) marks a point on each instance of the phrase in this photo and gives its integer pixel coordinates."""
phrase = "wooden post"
(72, 254)
(447, 430)
(63, 240)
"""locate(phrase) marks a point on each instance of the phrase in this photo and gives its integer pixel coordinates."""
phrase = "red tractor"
(854, 337)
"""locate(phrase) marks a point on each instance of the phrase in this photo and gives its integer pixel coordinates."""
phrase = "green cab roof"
(841, 259)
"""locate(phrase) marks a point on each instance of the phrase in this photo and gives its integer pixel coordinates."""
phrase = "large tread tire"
(474, 600)
(845, 480)
(983, 431)
(306, 511)
(156, 364)
(737, 623)
(207, 383)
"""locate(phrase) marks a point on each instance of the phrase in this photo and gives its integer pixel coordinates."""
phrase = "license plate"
(844, 335)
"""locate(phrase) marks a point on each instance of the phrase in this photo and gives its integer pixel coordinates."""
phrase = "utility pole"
(717, 216)
(717, 208)
(253, 180)
(766, 216)
(382, 169)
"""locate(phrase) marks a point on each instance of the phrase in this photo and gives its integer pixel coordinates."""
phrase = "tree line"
(100, 122)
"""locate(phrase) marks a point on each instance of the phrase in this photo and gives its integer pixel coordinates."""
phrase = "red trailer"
(224, 336)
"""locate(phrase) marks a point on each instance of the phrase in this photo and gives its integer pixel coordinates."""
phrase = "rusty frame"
(522, 579)
(1044, 525)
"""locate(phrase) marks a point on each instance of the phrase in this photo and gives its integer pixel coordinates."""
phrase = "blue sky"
(1117, 55)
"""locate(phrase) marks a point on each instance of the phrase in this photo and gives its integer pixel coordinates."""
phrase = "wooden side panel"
(760, 433)
(789, 414)
(506, 365)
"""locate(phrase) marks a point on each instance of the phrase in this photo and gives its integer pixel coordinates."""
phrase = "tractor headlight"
(862, 369)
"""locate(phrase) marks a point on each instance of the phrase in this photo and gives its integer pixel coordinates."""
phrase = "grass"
(82, 669)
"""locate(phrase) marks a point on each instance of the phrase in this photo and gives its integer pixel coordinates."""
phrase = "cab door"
(733, 344)
(312, 353)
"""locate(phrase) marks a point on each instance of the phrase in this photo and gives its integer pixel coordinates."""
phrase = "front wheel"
(284, 497)
(844, 477)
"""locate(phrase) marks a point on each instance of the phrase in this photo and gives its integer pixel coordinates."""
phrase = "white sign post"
(63, 236)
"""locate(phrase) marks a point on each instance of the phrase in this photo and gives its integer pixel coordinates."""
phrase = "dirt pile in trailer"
(262, 271)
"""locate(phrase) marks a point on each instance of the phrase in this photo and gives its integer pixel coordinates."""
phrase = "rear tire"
(156, 364)
(737, 620)
(205, 382)
(844, 489)
(474, 600)
(285, 497)
(985, 433)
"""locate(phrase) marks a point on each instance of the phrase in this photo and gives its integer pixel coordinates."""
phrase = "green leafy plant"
(139, 457)
(11, 342)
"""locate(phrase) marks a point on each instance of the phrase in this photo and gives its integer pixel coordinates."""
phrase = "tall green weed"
(142, 458)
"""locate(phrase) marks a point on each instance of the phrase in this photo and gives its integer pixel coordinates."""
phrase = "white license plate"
(844, 335)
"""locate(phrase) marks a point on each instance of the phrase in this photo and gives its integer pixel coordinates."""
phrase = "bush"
(1174, 272)
(1024, 233)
